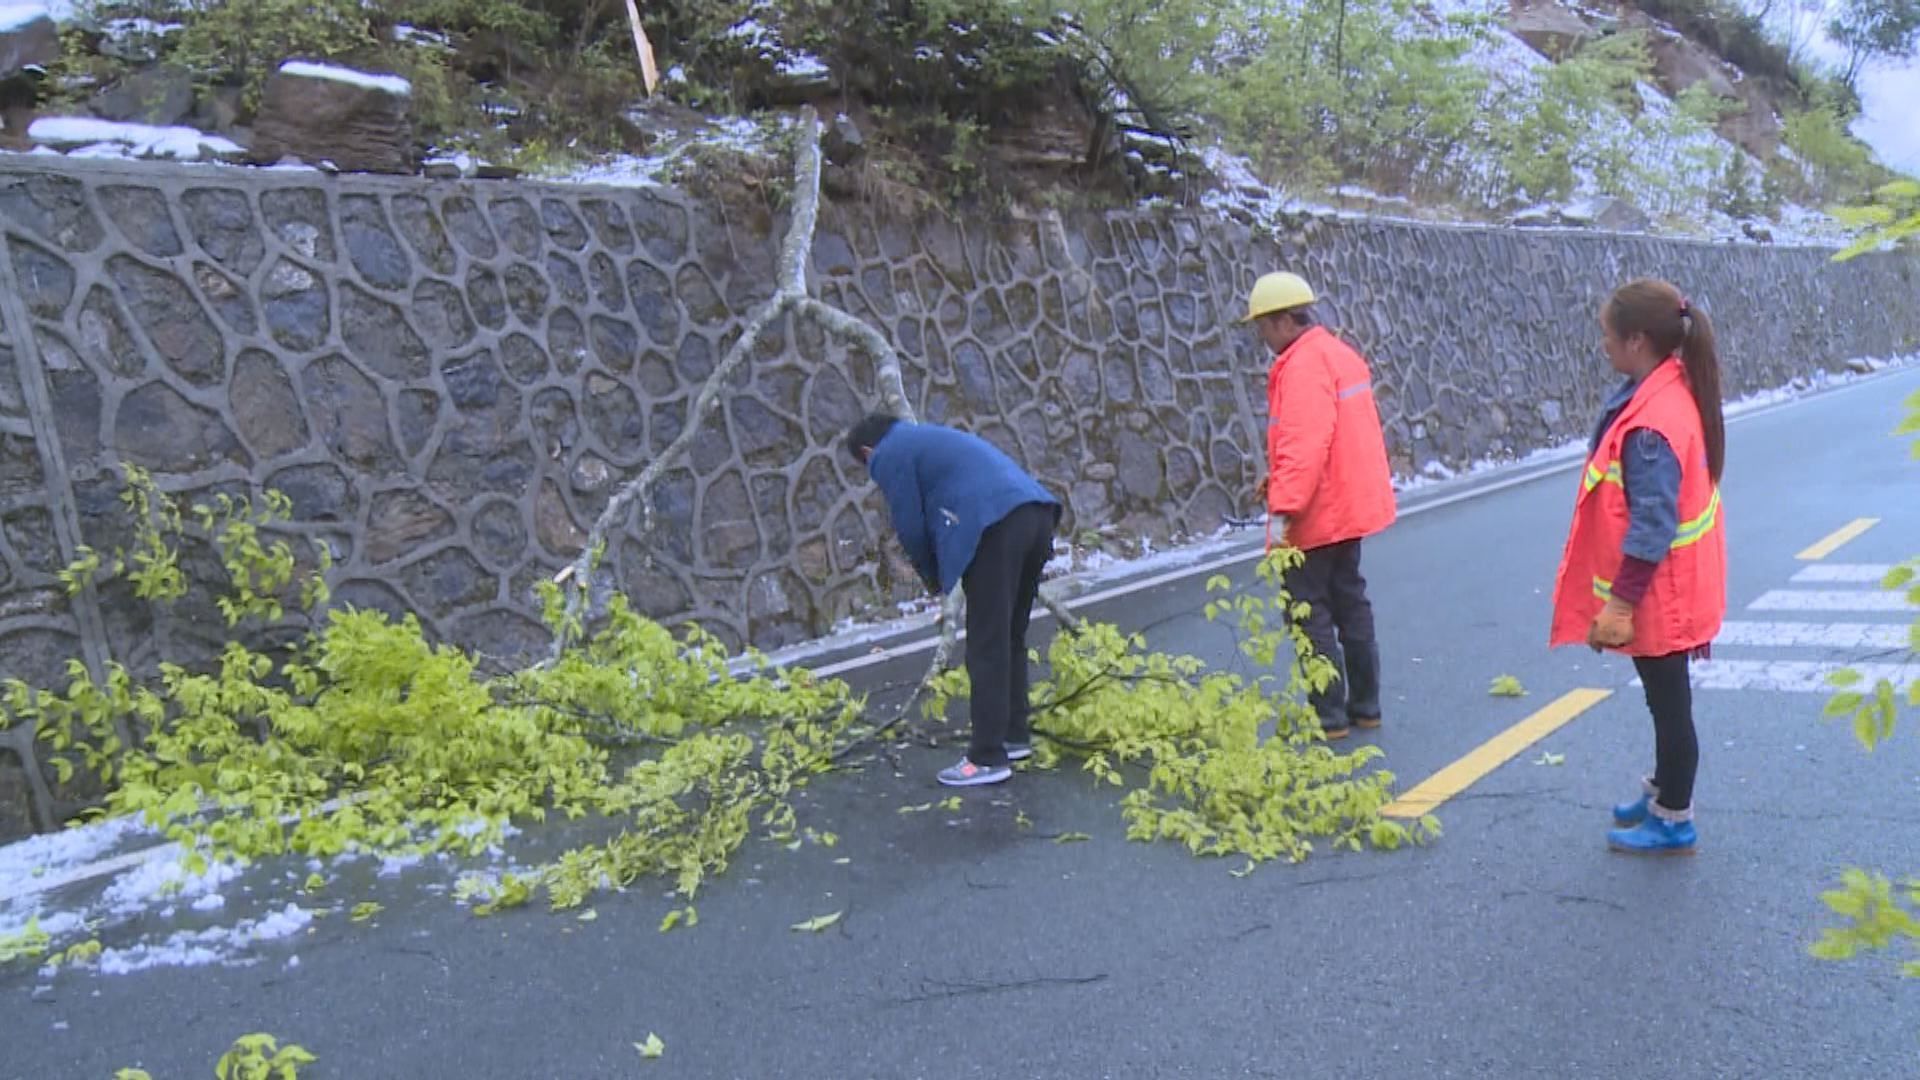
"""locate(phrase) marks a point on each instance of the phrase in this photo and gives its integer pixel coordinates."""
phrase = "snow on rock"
(734, 134)
(389, 84)
(29, 41)
(105, 138)
(17, 16)
(413, 35)
(801, 65)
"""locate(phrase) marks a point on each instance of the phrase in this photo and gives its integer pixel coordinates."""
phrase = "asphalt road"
(1514, 946)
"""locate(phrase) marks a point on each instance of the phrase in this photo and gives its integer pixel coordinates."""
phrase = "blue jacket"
(943, 489)
(1651, 474)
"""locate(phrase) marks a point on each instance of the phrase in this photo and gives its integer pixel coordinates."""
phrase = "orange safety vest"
(1327, 465)
(1687, 598)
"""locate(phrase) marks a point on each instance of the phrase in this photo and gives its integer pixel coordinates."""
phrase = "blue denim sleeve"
(1651, 474)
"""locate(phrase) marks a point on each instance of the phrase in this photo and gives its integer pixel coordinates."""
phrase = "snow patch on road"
(215, 945)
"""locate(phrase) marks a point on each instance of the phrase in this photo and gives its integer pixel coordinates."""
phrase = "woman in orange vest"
(1645, 568)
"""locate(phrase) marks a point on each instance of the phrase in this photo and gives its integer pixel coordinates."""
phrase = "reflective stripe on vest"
(1612, 476)
(1692, 532)
(1357, 388)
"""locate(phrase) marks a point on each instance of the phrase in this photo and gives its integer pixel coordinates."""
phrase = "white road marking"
(1843, 574)
(1797, 635)
(1792, 676)
(1831, 600)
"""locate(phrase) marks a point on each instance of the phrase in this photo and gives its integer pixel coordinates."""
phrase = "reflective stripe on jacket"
(1327, 465)
(1687, 598)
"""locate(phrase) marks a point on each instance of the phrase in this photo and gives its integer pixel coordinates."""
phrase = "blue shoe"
(1655, 836)
(1019, 751)
(1628, 814)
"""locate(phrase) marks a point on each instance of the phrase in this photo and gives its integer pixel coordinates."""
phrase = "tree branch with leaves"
(1878, 914)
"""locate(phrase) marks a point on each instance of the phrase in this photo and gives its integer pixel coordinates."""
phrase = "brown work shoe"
(1367, 723)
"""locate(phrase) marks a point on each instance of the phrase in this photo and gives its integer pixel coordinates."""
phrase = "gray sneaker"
(1019, 751)
(967, 774)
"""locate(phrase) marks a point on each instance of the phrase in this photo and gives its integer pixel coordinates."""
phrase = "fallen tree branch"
(790, 295)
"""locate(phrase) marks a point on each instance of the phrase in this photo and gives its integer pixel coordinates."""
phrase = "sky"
(1887, 92)
(1887, 121)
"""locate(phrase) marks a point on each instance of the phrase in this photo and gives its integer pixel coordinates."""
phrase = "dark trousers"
(1676, 748)
(1001, 585)
(1340, 625)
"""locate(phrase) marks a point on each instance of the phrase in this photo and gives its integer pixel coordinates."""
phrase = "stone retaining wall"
(450, 379)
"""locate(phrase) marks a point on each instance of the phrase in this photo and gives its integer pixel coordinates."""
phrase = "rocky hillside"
(1672, 115)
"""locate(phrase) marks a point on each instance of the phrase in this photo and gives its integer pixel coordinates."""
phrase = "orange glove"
(1613, 628)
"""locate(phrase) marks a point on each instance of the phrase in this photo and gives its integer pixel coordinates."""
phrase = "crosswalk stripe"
(1798, 635)
(1843, 573)
(1792, 676)
(1831, 600)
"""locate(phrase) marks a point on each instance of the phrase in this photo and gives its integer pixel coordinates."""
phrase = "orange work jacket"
(1326, 456)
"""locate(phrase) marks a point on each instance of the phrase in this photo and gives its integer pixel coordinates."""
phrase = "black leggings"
(1676, 749)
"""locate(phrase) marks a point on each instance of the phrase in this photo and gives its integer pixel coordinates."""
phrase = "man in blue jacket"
(967, 514)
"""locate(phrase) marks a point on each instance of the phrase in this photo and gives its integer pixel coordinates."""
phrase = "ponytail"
(1674, 325)
(1702, 362)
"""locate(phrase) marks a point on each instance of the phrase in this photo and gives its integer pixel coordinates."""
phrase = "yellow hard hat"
(1277, 292)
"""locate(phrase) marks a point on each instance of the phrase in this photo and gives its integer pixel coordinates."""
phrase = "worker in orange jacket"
(1645, 567)
(1328, 487)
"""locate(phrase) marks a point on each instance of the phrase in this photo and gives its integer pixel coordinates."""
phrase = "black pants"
(1676, 749)
(1340, 625)
(1001, 585)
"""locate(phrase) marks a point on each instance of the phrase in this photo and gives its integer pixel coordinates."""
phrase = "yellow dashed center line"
(1841, 536)
(1493, 753)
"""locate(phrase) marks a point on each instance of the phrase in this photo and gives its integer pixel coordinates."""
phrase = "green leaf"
(652, 1048)
(1071, 838)
(1845, 677)
(1548, 758)
(588, 915)
(1832, 947)
(817, 923)
(920, 809)
(365, 910)
(1844, 703)
(1506, 686)
(315, 882)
